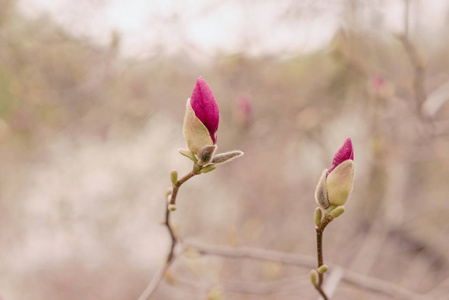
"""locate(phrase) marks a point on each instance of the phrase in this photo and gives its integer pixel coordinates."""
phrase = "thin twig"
(155, 281)
(319, 249)
(157, 278)
(251, 253)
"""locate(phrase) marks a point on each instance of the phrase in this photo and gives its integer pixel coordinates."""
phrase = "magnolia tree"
(200, 130)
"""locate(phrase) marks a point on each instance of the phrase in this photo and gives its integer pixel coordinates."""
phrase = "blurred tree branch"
(350, 277)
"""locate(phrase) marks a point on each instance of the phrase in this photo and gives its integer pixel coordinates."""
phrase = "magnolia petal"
(321, 192)
(195, 132)
(344, 153)
(339, 183)
(205, 107)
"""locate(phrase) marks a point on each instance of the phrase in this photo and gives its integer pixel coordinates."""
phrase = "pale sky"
(255, 26)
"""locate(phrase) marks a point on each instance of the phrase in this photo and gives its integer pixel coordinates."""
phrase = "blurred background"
(92, 98)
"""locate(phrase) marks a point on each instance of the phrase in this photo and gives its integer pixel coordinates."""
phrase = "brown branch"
(176, 186)
(319, 249)
(157, 278)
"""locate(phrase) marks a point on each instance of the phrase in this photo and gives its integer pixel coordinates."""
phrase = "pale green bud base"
(335, 213)
(318, 216)
(188, 154)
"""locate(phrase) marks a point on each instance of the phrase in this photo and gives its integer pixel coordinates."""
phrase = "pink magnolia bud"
(335, 184)
(201, 117)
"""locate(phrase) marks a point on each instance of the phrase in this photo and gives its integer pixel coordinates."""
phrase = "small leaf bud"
(172, 207)
(337, 212)
(313, 276)
(174, 177)
(322, 269)
(208, 168)
(168, 192)
(321, 192)
(318, 216)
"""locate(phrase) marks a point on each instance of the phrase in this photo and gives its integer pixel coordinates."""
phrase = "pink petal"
(344, 153)
(205, 107)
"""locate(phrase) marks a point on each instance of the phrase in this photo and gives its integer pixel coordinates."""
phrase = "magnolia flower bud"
(335, 184)
(201, 117)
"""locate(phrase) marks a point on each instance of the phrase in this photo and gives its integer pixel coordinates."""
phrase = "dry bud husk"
(321, 192)
(226, 157)
(206, 154)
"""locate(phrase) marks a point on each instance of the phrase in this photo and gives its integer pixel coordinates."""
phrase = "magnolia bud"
(201, 117)
(336, 183)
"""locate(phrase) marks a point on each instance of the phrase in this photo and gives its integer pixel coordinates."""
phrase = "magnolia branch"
(319, 247)
(171, 201)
